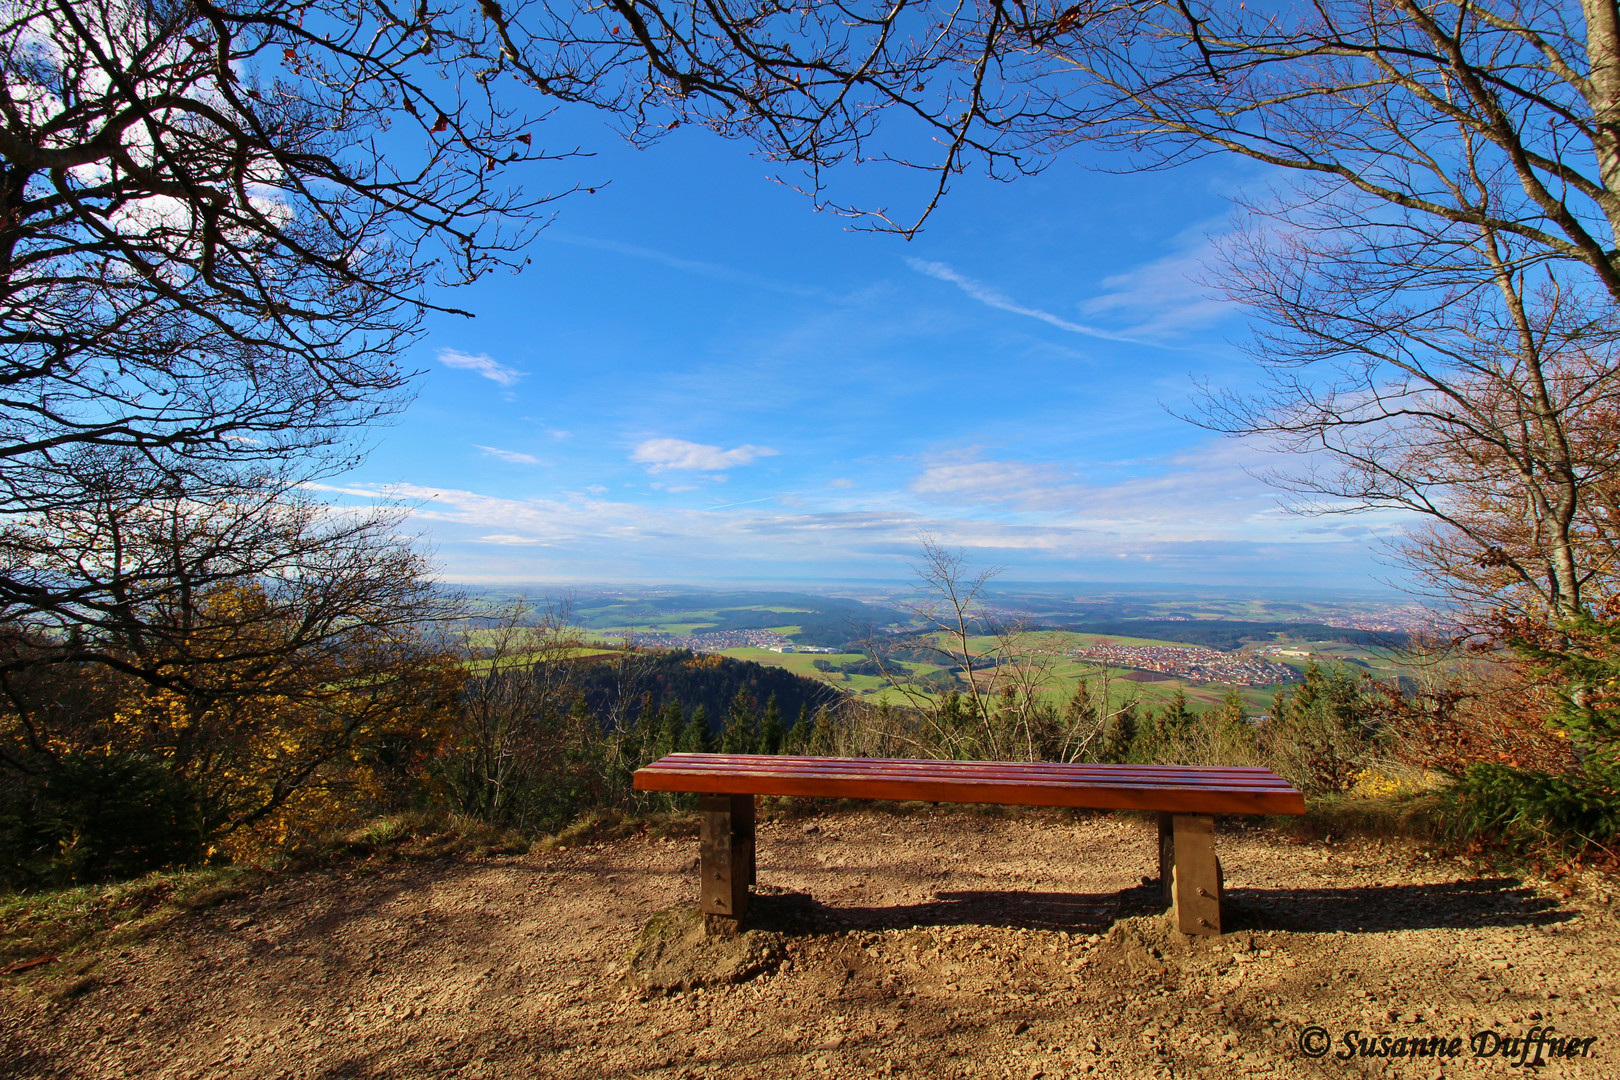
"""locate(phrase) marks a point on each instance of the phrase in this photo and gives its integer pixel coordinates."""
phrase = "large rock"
(681, 948)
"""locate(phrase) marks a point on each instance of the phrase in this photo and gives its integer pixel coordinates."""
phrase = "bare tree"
(1004, 674)
(1446, 371)
(250, 646)
(523, 679)
(218, 223)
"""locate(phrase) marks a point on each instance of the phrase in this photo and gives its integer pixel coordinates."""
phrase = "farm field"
(1219, 628)
(1066, 673)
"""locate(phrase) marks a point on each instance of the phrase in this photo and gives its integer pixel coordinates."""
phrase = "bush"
(1324, 734)
(95, 817)
(1527, 810)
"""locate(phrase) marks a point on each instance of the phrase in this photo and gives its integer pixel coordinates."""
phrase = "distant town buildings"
(719, 640)
(1191, 663)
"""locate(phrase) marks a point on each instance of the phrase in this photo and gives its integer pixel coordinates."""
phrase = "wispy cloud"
(1189, 522)
(691, 266)
(1009, 483)
(484, 365)
(1207, 493)
(984, 294)
(1165, 296)
(508, 455)
(660, 455)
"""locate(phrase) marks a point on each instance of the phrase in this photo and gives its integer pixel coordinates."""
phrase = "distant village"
(720, 640)
(1195, 665)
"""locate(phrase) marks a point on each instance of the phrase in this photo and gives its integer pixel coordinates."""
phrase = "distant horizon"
(998, 587)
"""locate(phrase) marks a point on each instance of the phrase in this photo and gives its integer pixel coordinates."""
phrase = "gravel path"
(946, 944)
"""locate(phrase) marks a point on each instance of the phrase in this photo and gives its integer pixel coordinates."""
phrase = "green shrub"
(93, 817)
(1323, 735)
(1528, 810)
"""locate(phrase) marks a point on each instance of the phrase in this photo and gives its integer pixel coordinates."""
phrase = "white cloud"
(1198, 517)
(660, 455)
(508, 455)
(986, 295)
(1013, 483)
(1207, 493)
(487, 366)
(1164, 296)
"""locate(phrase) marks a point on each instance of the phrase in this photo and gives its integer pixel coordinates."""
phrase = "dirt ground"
(939, 944)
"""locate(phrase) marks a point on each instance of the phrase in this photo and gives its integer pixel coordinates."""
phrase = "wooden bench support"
(1185, 797)
(726, 854)
(1190, 872)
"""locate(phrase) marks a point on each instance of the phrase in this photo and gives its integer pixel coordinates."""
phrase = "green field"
(830, 620)
(1065, 673)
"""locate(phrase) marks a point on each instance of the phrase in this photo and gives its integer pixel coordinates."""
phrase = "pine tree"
(771, 733)
(638, 742)
(670, 723)
(1279, 705)
(797, 740)
(740, 735)
(1233, 709)
(822, 734)
(695, 735)
(1119, 734)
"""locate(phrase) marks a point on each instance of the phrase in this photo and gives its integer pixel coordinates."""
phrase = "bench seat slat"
(1172, 789)
(991, 776)
(793, 761)
(930, 769)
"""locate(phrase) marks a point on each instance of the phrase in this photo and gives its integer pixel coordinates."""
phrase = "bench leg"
(1167, 857)
(725, 854)
(1195, 875)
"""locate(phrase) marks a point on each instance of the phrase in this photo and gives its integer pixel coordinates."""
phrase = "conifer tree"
(822, 733)
(797, 740)
(741, 735)
(1233, 709)
(636, 742)
(695, 735)
(1118, 734)
(669, 731)
(771, 733)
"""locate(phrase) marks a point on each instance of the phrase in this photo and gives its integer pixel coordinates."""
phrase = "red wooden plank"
(788, 760)
(1012, 772)
(774, 763)
(1009, 769)
(1173, 789)
(683, 780)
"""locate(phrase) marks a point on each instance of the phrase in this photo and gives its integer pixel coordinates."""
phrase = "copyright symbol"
(1314, 1041)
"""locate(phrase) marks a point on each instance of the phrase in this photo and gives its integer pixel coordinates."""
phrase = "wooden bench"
(1185, 797)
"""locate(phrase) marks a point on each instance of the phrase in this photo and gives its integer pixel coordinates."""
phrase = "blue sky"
(700, 379)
